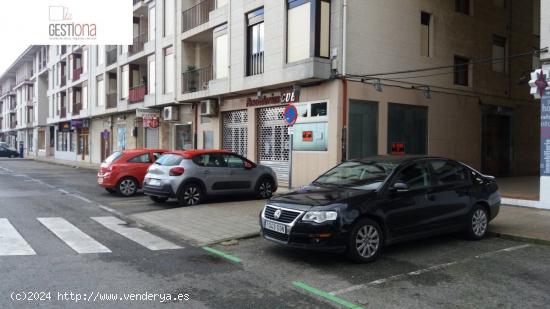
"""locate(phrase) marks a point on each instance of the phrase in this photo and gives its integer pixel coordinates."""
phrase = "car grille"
(287, 216)
(275, 235)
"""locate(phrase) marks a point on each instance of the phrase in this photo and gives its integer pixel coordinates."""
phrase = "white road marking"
(72, 236)
(424, 270)
(11, 242)
(62, 191)
(82, 198)
(140, 236)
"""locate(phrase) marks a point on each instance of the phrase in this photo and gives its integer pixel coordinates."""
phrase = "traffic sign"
(290, 114)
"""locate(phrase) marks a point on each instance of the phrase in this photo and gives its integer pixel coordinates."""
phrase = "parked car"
(362, 205)
(8, 152)
(192, 175)
(123, 171)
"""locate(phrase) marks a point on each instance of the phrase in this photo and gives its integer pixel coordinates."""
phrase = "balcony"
(137, 93)
(136, 1)
(63, 112)
(111, 56)
(196, 79)
(76, 74)
(77, 107)
(63, 81)
(197, 15)
(111, 100)
(256, 64)
(138, 44)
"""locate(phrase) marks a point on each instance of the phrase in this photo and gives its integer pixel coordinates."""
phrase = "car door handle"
(430, 197)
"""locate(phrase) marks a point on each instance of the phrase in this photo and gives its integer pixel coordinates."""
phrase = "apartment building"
(217, 74)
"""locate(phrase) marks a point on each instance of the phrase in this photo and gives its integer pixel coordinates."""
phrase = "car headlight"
(320, 216)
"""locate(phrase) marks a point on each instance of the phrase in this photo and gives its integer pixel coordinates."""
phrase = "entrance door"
(235, 132)
(105, 147)
(363, 129)
(273, 142)
(152, 138)
(496, 153)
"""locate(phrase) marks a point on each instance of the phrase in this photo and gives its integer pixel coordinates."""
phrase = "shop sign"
(290, 95)
(105, 134)
(398, 148)
(64, 127)
(77, 123)
(545, 135)
(147, 113)
(152, 122)
(539, 82)
(263, 101)
(307, 136)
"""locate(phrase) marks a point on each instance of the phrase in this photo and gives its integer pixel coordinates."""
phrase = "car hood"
(313, 195)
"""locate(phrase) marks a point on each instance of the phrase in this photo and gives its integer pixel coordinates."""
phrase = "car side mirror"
(399, 187)
(247, 165)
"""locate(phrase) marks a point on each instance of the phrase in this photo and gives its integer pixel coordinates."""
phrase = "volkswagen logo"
(277, 214)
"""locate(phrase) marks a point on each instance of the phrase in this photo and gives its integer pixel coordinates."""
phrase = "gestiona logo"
(62, 26)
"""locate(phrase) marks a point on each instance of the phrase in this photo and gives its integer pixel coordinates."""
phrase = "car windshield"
(357, 175)
(113, 157)
(169, 160)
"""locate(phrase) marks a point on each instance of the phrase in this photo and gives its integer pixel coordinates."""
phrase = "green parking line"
(326, 295)
(222, 254)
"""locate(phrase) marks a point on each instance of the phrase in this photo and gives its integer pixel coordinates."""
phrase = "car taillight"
(176, 171)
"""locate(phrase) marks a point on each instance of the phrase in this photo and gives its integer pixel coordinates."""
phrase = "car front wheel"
(264, 189)
(191, 194)
(127, 186)
(478, 223)
(365, 242)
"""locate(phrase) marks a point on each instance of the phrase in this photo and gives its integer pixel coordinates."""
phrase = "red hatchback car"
(123, 171)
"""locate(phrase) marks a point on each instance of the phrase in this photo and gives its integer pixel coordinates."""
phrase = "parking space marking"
(81, 198)
(73, 236)
(11, 242)
(144, 238)
(424, 270)
(222, 254)
(325, 295)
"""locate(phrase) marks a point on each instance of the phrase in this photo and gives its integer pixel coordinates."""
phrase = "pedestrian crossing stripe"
(11, 242)
(73, 236)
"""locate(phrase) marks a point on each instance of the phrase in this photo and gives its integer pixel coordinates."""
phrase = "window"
(425, 34)
(311, 127)
(462, 6)
(85, 95)
(125, 81)
(100, 91)
(299, 29)
(221, 49)
(448, 173)
(408, 125)
(168, 17)
(100, 55)
(233, 161)
(183, 136)
(84, 60)
(169, 70)
(210, 160)
(143, 158)
(461, 71)
(152, 75)
(416, 176)
(255, 38)
(82, 136)
(169, 160)
(152, 23)
(499, 54)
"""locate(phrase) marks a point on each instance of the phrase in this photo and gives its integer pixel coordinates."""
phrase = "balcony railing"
(197, 15)
(63, 81)
(138, 44)
(111, 100)
(76, 74)
(63, 112)
(77, 107)
(136, 1)
(256, 63)
(137, 93)
(111, 56)
(196, 80)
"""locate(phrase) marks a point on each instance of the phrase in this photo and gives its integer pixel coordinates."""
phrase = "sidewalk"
(75, 164)
(522, 223)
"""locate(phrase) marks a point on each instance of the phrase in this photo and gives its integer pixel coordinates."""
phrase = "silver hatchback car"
(192, 175)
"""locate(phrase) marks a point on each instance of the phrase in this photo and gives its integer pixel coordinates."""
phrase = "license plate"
(280, 228)
(154, 182)
(100, 180)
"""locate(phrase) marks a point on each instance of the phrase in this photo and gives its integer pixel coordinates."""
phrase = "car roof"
(191, 153)
(398, 159)
(133, 151)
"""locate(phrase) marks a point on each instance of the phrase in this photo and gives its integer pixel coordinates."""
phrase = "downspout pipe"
(344, 80)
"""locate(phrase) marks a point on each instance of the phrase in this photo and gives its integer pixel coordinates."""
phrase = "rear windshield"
(169, 160)
(113, 157)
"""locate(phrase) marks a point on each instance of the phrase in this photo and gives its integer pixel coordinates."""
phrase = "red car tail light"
(176, 171)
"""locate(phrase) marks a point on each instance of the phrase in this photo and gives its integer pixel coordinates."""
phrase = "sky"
(9, 55)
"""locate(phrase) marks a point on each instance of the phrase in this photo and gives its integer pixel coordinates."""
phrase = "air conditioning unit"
(209, 108)
(170, 113)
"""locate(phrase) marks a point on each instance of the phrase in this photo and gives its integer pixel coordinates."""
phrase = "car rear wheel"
(365, 242)
(477, 223)
(191, 194)
(127, 186)
(112, 191)
(158, 199)
(264, 189)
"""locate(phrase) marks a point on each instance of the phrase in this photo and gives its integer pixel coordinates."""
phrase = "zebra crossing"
(12, 243)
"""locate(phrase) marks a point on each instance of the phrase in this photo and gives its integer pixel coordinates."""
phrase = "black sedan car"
(361, 205)
(7, 152)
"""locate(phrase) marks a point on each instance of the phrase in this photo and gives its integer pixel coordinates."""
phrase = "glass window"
(319, 109)
(168, 17)
(169, 70)
(152, 76)
(499, 53)
(461, 73)
(363, 129)
(324, 31)
(357, 174)
(156, 155)
(408, 125)
(222, 52)
(143, 158)
(416, 176)
(425, 28)
(100, 92)
(208, 139)
(184, 137)
(462, 6)
(234, 161)
(152, 23)
(214, 160)
(100, 54)
(310, 136)
(448, 173)
(255, 63)
(169, 160)
(298, 25)
(125, 81)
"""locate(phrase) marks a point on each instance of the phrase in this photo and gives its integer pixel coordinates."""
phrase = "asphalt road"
(441, 272)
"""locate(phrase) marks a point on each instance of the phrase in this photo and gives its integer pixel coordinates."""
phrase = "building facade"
(367, 77)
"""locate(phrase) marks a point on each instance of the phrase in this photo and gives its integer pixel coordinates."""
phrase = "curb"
(536, 241)
(63, 164)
